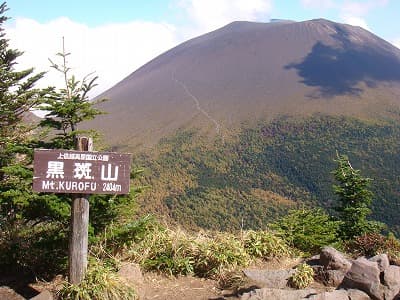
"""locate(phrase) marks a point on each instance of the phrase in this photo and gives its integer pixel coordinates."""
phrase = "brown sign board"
(80, 172)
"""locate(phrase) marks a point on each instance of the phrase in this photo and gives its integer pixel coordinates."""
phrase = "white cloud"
(361, 8)
(208, 15)
(112, 51)
(396, 42)
(318, 4)
(356, 8)
(355, 12)
(355, 21)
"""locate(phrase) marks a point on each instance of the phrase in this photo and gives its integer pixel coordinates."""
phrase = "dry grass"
(100, 283)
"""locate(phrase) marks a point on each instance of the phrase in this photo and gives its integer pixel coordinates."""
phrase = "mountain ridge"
(247, 71)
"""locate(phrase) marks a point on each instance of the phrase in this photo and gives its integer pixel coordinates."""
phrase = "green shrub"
(165, 251)
(100, 283)
(307, 229)
(116, 237)
(175, 252)
(303, 277)
(265, 245)
(225, 251)
(40, 250)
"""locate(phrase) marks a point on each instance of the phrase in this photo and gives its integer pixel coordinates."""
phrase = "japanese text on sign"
(61, 171)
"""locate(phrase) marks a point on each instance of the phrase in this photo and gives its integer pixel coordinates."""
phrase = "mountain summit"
(246, 71)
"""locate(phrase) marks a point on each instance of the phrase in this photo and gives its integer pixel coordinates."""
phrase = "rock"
(333, 277)
(332, 259)
(314, 260)
(270, 278)
(328, 277)
(319, 273)
(8, 294)
(334, 295)
(391, 280)
(45, 295)
(357, 295)
(382, 260)
(278, 294)
(131, 272)
(364, 275)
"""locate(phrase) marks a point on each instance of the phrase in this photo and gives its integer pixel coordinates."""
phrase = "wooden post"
(78, 239)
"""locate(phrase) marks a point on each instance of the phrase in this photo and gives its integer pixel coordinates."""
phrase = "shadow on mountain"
(337, 70)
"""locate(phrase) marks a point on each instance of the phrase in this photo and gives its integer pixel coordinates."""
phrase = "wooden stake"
(78, 239)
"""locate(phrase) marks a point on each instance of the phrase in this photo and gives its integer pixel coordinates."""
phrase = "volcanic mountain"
(239, 125)
(246, 71)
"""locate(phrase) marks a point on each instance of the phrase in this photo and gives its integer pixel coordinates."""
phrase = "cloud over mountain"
(111, 51)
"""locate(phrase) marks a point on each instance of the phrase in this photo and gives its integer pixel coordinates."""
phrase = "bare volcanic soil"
(161, 287)
(249, 71)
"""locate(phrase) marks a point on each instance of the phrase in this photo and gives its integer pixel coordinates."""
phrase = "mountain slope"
(269, 168)
(244, 122)
(246, 71)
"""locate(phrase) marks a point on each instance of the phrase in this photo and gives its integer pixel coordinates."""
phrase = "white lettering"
(55, 169)
(46, 184)
(61, 185)
(81, 186)
(83, 170)
(110, 176)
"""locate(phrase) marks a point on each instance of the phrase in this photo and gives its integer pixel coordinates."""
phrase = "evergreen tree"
(17, 97)
(307, 229)
(355, 200)
(69, 106)
(20, 208)
(34, 227)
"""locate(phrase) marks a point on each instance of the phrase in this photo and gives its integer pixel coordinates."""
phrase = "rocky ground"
(156, 286)
(336, 277)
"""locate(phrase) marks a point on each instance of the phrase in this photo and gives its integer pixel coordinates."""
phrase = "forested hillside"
(250, 180)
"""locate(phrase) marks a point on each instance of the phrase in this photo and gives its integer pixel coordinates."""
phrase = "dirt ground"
(160, 287)
(154, 286)
(185, 287)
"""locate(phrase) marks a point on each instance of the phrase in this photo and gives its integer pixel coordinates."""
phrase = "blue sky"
(113, 38)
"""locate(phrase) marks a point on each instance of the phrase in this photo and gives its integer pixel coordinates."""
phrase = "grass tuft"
(266, 245)
(303, 276)
(100, 283)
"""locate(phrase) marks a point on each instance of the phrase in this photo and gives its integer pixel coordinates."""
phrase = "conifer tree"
(355, 199)
(17, 96)
(33, 227)
(70, 105)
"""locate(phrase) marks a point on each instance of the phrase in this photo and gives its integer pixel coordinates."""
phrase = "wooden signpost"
(80, 172)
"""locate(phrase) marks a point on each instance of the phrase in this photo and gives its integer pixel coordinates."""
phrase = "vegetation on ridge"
(250, 180)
